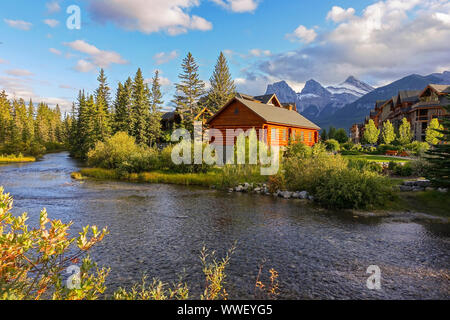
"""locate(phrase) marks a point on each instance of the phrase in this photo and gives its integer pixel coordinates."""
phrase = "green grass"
(431, 202)
(375, 158)
(218, 177)
(15, 159)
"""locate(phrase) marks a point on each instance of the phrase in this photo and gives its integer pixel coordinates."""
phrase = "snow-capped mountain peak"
(351, 86)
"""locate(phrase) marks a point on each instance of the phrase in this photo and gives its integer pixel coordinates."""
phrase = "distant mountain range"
(350, 101)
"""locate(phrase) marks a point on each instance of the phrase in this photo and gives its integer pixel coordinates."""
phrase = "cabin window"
(310, 137)
(236, 111)
(273, 134)
(293, 134)
(302, 136)
(284, 134)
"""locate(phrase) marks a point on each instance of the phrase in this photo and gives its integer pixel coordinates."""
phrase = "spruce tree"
(122, 111)
(154, 121)
(323, 135)
(439, 156)
(388, 132)
(140, 108)
(102, 126)
(5, 118)
(222, 85)
(189, 90)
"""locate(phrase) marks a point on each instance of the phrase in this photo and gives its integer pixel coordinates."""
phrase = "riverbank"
(415, 206)
(5, 159)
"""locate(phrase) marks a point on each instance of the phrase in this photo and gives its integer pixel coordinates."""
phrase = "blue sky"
(264, 40)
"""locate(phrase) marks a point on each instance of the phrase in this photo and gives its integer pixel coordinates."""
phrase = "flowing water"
(159, 230)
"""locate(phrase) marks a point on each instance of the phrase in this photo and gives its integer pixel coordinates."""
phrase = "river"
(159, 230)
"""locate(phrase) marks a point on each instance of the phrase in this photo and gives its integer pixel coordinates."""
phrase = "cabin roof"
(278, 115)
(409, 95)
(441, 88)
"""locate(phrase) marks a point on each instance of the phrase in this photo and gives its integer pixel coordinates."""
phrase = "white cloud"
(66, 86)
(53, 7)
(388, 40)
(19, 72)
(18, 24)
(55, 51)
(260, 53)
(165, 57)
(51, 22)
(3, 61)
(338, 14)
(238, 5)
(303, 34)
(84, 66)
(97, 58)
(22, 88)
(150, 16)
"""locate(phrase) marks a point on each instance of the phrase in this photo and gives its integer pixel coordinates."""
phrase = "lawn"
(376, 158)
(431, 202)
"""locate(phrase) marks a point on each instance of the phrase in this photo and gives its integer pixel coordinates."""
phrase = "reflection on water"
(160, 229)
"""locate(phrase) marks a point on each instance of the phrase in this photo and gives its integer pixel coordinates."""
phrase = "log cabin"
(281, 122)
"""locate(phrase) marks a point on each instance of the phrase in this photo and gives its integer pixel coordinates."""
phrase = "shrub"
(166, 162)
(420, 167)
(121, 152)
(352, 189)
(365, 165)
(302, 172)
(418, 148)
(399, 169)
(32, 260)
(332, 145)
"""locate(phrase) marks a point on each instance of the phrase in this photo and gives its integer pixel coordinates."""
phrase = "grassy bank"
(213, 178)
(431, 202)
(376, 158)
(15, 159)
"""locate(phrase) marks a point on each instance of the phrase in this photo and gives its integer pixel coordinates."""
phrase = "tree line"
(27, 129)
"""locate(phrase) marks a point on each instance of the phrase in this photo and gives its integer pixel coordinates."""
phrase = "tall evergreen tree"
(222, 85)
(140, 108)
(189, 90)
(323, 135)
(154, 121)
(5, 118)
(102, 126)
(439, 156)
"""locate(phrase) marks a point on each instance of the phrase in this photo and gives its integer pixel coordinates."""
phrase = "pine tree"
(323, 135)
(5, 118)
(433, 132)
(439, 156)
(140, 108)
(388, 132)
(404, 132)
(121, 114)
(371, 132)
(102, 126)
(341, 136)
(189, 90)
(154, 121)
(331, 132)
(222, 85)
